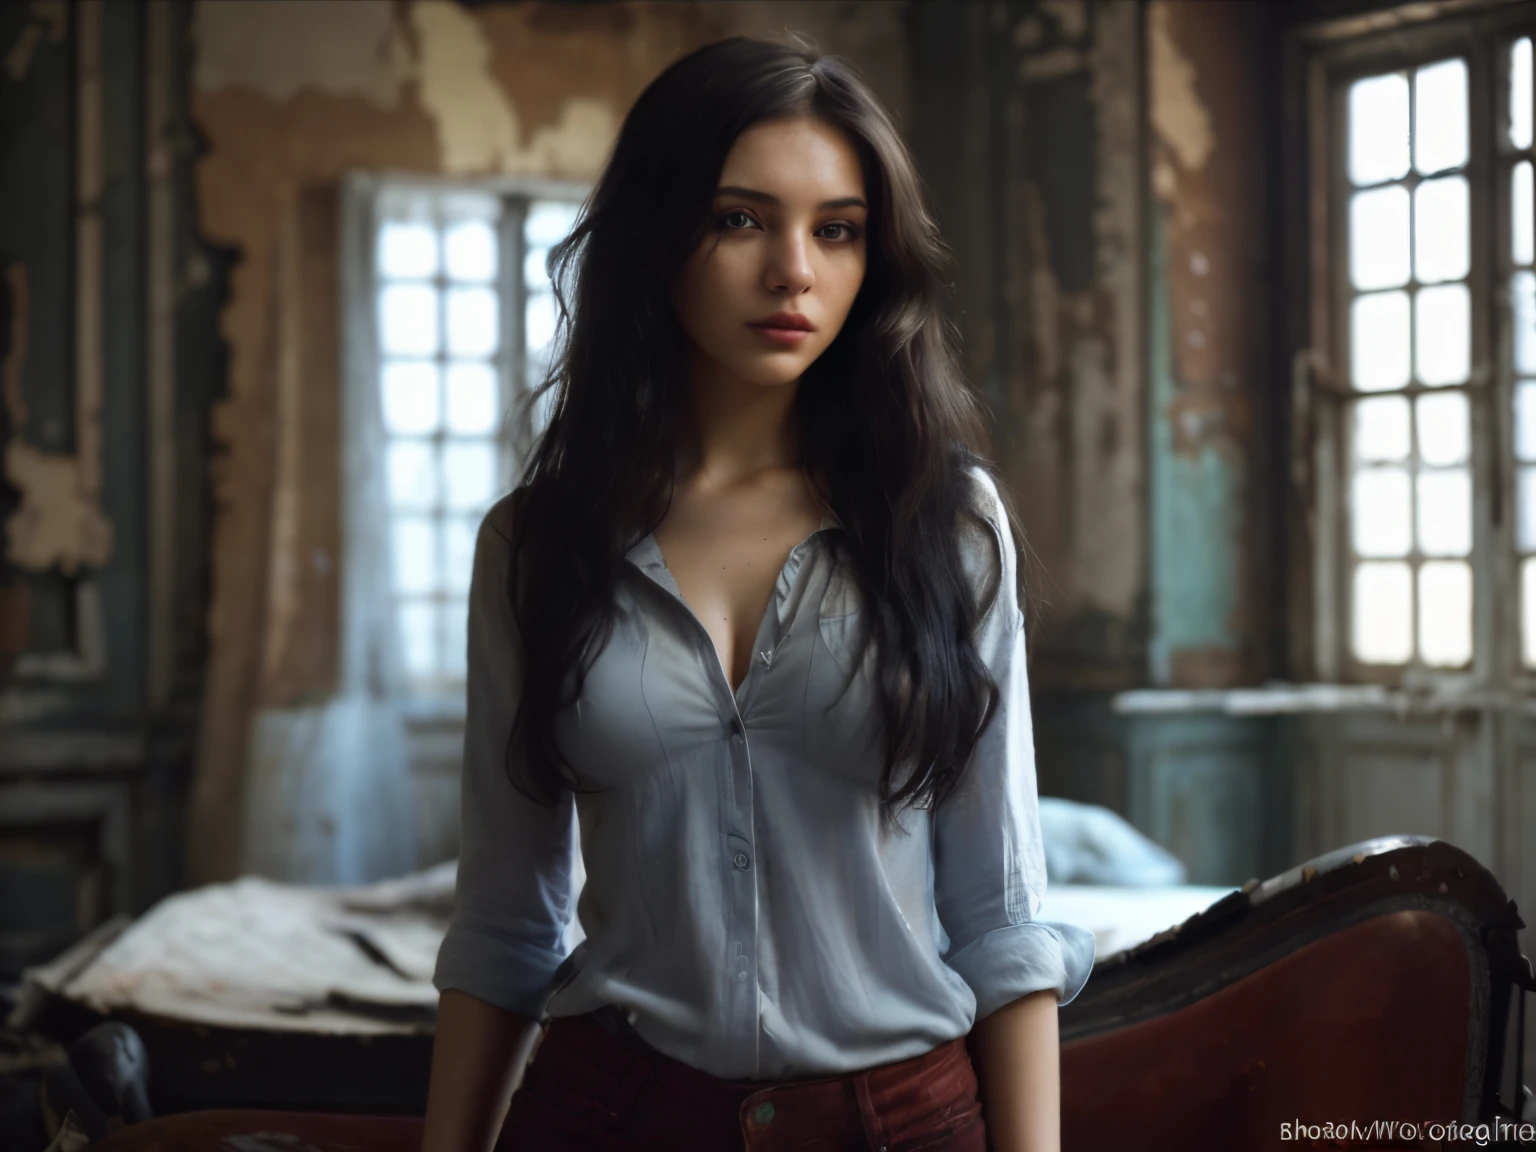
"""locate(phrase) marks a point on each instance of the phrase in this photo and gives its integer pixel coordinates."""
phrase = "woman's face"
(769, 286)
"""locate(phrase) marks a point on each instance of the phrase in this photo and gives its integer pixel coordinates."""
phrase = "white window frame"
(1327, 63)
(366, 512)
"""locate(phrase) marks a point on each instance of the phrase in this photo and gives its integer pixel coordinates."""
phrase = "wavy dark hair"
(888, 425)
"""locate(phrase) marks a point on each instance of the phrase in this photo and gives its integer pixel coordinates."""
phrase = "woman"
(748, 639)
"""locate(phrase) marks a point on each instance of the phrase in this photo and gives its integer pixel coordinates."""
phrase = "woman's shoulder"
(984, 528)
(988, 500)
(986, 538)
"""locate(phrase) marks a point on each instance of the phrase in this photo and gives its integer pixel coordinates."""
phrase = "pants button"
(763, 1113)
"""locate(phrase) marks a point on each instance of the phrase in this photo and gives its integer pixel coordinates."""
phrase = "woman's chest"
(656, 708)
(724, 562)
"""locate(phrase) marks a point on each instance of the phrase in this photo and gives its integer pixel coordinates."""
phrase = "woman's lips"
(786, 336)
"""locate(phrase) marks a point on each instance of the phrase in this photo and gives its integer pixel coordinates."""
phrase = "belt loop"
(874, 1131)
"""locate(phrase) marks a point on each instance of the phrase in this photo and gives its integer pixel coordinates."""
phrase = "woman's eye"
(844, 232)
(736, 219)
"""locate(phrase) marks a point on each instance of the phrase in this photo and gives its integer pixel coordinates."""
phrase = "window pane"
(1525, 510)
(1444, 435)
(455, 639)
(1378, 237)
(472, 326)
(469, 475)
(1379, 515)
(1445, 614)
(458, 552)
(1528, 611)
(1445, 513)
(471, 398)
(1443, 334)
(408, 320)
(412, 477)
(407, 250)
(1521, 250)
(1381, 611)
(469, 248)
(410, 397)
(1525, 420)
(418, 639)
(415, 547)
(539, 321)
(1440, 116)
(1522, 287)
(1441, 244)
(1378, 128)
(1379, 341)
(1381, 429)
(1520, 93)
(549, 222)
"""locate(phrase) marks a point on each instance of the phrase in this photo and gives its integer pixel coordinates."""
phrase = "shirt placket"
(739, 978)
(741, 888)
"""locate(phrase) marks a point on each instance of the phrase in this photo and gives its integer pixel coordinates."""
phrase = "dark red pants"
(589, 1089)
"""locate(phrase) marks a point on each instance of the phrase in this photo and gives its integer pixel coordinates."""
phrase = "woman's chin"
(774, 370)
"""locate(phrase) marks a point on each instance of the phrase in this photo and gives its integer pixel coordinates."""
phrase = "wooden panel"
(1201, 786)
(1390, 793)
(1080, 751)
(65, 865)
(1377, 775)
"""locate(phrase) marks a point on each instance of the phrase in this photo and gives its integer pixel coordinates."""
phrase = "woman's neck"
(738, 429)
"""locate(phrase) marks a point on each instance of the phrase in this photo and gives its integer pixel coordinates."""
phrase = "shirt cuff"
(495, 968)
(1015, 960)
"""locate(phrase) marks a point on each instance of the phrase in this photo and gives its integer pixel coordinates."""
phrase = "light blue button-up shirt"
(741, 902)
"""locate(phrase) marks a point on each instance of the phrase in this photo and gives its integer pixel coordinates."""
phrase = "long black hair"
(888, 425)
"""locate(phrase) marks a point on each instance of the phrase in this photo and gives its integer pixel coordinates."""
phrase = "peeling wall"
(58, 521)
(1077, 386)
(291, 97)
(1207, 295)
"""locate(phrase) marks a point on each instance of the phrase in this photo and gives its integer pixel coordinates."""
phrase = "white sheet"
(1121, 918)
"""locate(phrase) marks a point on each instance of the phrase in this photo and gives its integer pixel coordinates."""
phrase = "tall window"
(1517, 154)
(464, 319)
(1410, 351)
(1429, 173)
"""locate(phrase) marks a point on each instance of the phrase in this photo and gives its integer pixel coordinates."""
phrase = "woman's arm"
(1019, 1068)
(478, 1055)
(512, 898)
(989, 878)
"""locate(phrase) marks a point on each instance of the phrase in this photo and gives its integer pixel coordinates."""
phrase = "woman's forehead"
(794, 160)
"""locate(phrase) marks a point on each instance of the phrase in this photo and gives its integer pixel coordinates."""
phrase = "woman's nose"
(789, 269)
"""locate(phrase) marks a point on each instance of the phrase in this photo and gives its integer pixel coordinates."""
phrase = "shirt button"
(742, 861)
(741, 977)
(763, 1113)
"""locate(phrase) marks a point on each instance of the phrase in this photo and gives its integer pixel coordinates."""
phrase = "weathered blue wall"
(1196, 501)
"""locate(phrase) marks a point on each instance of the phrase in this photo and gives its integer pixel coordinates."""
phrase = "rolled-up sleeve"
(989, 861)
(513, 892)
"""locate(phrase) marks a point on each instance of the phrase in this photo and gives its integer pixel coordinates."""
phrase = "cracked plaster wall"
(1078, 386)
(1207, 285)
(58, 522)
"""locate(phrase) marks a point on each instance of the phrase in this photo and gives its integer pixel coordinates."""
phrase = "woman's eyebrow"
(768, 198)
